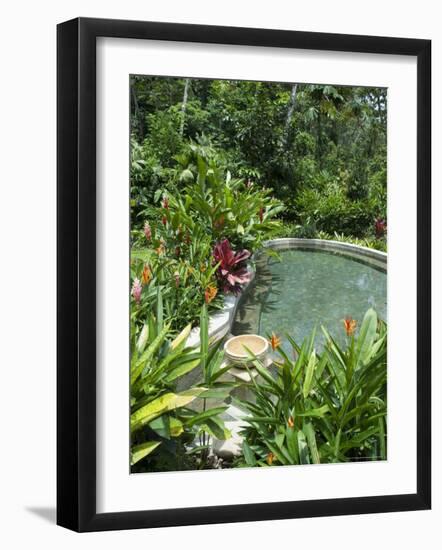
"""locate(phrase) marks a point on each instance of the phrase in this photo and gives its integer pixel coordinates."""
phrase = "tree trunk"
(291, 108)
(184, 105)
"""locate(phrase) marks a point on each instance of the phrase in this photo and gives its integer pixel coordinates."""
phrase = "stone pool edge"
(324, 244)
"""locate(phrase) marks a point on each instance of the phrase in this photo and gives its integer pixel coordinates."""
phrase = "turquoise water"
(307, 288)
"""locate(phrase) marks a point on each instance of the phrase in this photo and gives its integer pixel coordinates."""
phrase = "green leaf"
(180, 340)
(308, 379)
(309, 432)
(159, 310)
(366, 337)
(203, 416)
(182, 369)
(292, 444)
(249, 455)
(216, 428)
(303, 448)
(140, 451)
(320, 412)
(204, 339)
(160, 405)
(148, 354)
(142, 339)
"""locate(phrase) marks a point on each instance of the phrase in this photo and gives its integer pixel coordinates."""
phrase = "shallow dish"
(235, 348)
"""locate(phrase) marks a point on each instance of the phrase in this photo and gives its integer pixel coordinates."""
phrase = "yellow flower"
(290, 422)
(349, 326)
(270, 458)
(274, 341)
(210, 293)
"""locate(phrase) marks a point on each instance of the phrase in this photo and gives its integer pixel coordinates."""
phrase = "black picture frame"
(76, 274)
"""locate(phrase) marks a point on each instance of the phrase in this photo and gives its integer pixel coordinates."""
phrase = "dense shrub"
(332, 211)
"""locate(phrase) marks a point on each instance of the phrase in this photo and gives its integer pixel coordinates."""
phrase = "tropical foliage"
(327, 407)
(164, 422)
(217, 168)
(321, 149)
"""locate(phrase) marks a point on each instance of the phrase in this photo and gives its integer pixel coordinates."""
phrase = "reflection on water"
(307, 288)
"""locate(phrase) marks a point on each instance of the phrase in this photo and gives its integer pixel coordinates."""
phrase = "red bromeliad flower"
(164, 220)
(165, 203)
(232, 271)
(380, 228)
(261, 214)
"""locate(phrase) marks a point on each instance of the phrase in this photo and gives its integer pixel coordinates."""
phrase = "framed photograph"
(243, 274)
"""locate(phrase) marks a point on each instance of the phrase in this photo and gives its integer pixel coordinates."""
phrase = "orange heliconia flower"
(275, 342)
(270, 458)
(146, 275)
(349, 326)
(161, 249)
(290, 422)
(210, 293)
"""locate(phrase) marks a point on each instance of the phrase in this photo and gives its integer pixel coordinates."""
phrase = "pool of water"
(306, 288)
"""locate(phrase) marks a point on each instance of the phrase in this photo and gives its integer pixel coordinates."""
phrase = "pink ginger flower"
(136, 290)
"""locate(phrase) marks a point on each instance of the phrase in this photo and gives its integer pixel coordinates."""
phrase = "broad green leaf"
(367, 334)
(308, 379)
(216, 428)
(148, 354)
(319, 412)
(292, 444)
(303, 448)
(167, 402)
(182, 369)
(143, 337)
(309, 432)
(180, 340)
(249, 455)
(167, 426)
(203, 416)
(140, 451)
